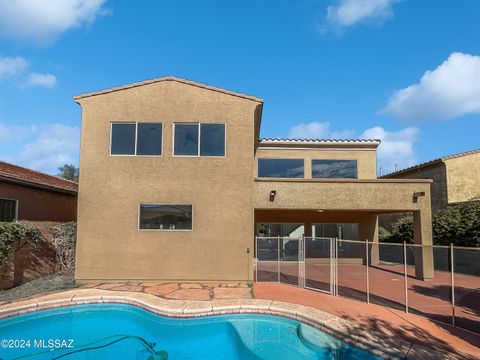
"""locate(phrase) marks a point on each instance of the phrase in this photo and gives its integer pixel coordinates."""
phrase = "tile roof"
(318, 141)
(167, 78)
(35, 178)
(432, 162)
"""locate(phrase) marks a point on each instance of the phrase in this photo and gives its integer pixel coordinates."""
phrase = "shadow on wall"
(28, 261)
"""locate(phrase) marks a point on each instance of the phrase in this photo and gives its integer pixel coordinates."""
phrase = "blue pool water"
(126, 332)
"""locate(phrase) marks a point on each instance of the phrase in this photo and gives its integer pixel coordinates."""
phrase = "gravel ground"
(46, 284)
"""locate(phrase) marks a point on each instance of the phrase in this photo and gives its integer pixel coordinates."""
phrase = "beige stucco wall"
(110, 246)
(463, 178)
(366, 157)
(438, 173)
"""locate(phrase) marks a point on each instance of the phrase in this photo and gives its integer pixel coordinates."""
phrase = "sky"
(406, 72)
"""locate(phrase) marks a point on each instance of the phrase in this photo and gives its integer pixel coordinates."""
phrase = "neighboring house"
(175, 182)
(31, 195)
(456, 178)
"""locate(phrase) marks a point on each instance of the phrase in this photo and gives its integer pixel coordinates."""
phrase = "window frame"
(17, 203)
(165, 230)
(281, 158)
(199, 139)
(136, 138)
(348, 178)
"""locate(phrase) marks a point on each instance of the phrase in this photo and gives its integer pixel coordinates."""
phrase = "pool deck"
(406, 336)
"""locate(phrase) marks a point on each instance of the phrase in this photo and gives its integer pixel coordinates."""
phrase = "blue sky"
(407, 72)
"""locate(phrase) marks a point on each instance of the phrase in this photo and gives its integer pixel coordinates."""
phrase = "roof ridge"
(38, 172)
(167, 78)
(433, 161)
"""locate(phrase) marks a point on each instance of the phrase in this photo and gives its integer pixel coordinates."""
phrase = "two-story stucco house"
(175, 183)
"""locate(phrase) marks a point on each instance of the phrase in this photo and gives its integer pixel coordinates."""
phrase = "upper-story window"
(196, 139)
(281, 168)
(344, 169)
(136, 139)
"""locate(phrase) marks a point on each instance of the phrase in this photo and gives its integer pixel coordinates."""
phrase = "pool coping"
(333, 325)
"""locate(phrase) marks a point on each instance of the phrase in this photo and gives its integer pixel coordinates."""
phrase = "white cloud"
(38, 79)
(451, 90)
(45, 20)
(396, 148)
(318, 130)
(16, 132)
(12, 66)
(346, 13)
(54, 146)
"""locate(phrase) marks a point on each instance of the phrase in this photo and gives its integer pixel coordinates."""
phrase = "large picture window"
(281, 168)
(165, 217)
(136, 139)
(195, 139)
(344, 169)
(8, 210)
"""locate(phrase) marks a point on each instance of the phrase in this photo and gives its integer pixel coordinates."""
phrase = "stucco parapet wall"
(347, 331)
(343, 194)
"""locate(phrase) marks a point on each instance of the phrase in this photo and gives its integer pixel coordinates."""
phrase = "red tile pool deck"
(389, 322)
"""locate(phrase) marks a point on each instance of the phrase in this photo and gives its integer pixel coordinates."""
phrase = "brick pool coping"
(344, 330)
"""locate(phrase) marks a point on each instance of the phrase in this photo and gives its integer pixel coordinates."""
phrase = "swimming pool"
(115, 331)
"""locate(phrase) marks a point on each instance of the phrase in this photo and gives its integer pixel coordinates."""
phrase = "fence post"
(278, 258)
(452, 265)
(405, 274)
(256, 258)
(336, 267)
(368, 279)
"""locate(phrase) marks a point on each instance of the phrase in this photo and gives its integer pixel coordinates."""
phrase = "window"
(123, 139)
(136, 139)
(199, 139)
(186, 139)
(281, 168)
(165, 217)
(212, 139)
(346, 169)
(8, 210)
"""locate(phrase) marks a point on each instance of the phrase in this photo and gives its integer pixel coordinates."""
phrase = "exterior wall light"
(273, 193)
(416, 195)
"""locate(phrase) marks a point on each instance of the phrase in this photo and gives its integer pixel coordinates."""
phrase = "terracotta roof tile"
(167, 78)
(431, 162)
(319, 141)
(36, 178)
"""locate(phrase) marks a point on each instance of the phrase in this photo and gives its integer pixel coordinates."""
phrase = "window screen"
(212, 140)
(186, 139)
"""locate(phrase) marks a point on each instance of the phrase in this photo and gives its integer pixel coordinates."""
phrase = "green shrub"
(11, 232)
(383, 234)
(457, 224)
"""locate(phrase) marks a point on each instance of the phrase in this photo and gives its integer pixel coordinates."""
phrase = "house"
(186, 182)
(456, 178)
(31, 195)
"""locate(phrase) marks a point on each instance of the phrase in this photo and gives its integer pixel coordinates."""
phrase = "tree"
(69, 172)
(457, 224)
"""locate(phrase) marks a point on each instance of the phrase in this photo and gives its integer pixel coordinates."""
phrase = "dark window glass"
(212, 139)
(346, 169)
(166, 217)
(123, 139)
(280, 168)
(186, 139)
(149, 139)
(8, 210)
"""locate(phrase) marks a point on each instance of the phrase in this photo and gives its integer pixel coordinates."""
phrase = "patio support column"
(368, 229)
(422, 235)
(308, 229)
